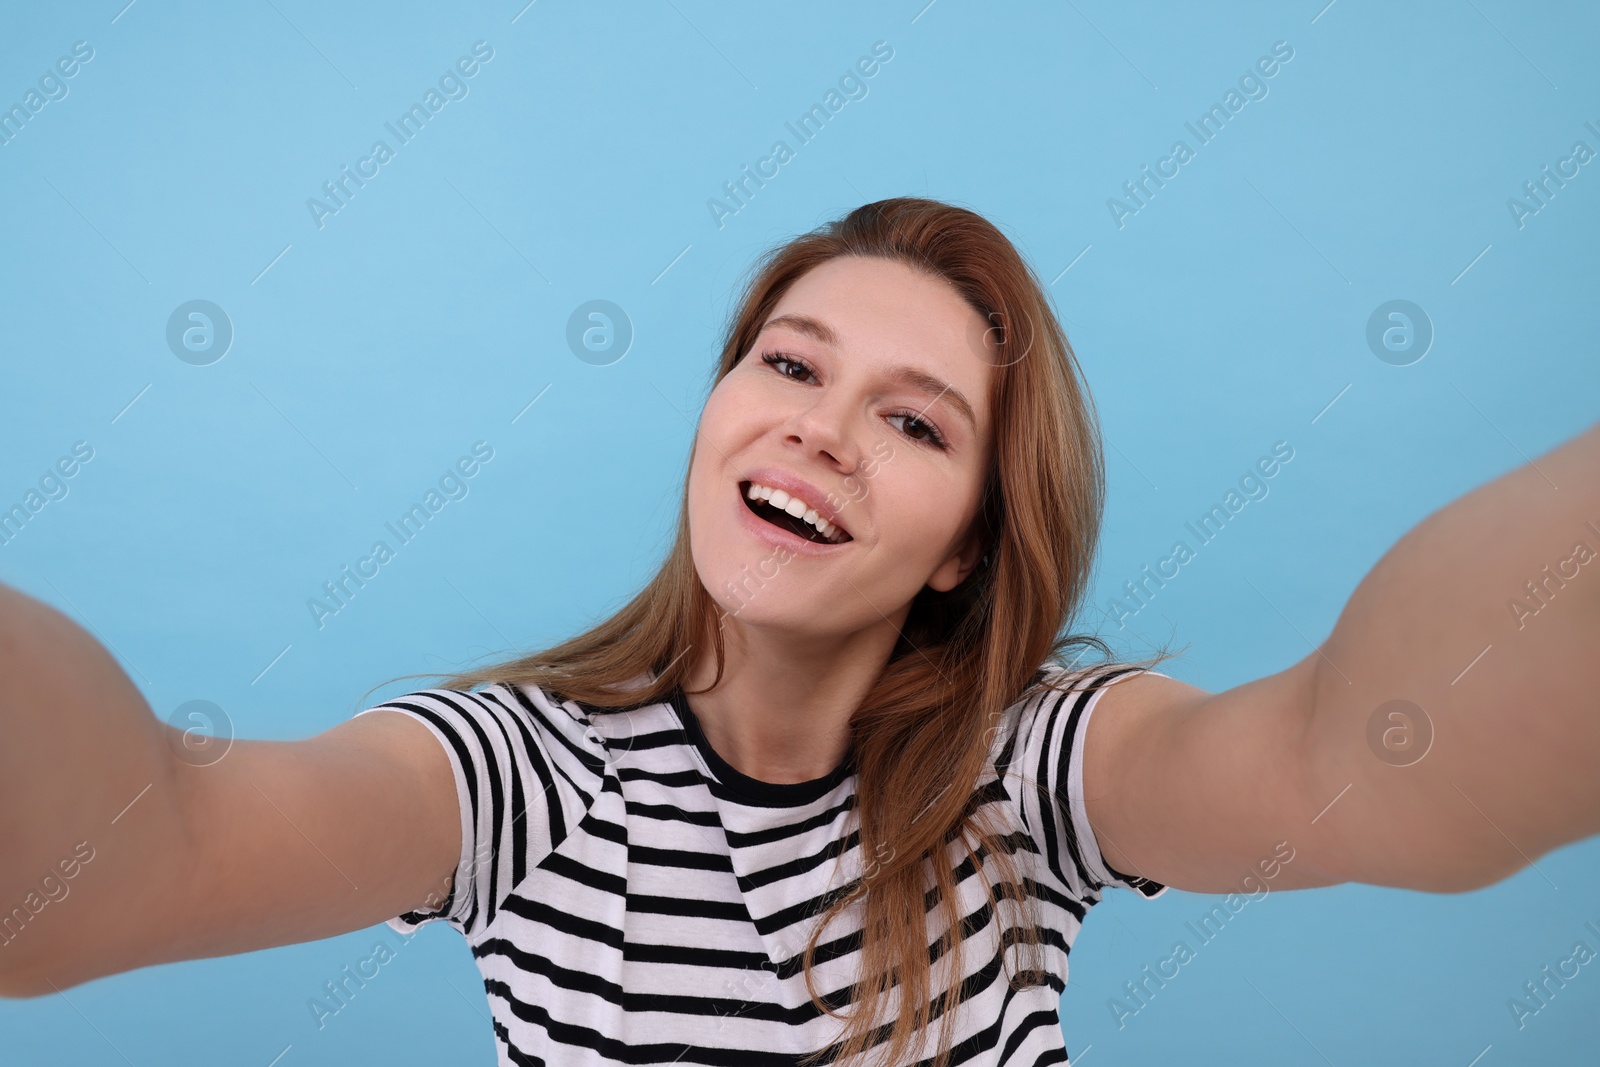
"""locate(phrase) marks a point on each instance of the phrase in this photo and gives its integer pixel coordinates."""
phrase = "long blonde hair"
(964, 656)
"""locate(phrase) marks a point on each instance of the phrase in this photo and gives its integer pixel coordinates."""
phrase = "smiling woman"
(897, 644)
(653, 835)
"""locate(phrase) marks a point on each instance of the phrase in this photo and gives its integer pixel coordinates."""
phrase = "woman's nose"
(826, 427)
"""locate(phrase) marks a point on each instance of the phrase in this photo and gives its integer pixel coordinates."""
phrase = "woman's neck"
(781, 713)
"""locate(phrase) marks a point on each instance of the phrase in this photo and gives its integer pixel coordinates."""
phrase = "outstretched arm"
(119, 848)
(1444, 736)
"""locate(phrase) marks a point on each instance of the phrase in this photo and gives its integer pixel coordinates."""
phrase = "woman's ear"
(953, 571)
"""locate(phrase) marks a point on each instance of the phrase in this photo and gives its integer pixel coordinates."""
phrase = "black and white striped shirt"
(631, 898)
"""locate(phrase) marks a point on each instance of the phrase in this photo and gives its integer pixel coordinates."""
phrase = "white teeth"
(796, 507)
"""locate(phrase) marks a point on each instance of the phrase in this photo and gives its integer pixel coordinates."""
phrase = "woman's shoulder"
(511, 712)
(1055, 677)
(1048, 691)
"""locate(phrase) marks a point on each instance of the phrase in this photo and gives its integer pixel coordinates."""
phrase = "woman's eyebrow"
(923, 382)
(914, 377)
(815, 329)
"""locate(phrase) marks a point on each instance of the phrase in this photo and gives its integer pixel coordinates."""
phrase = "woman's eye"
(920, 430)
(786, 366)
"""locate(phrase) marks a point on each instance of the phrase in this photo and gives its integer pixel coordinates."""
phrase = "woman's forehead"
(895, 317)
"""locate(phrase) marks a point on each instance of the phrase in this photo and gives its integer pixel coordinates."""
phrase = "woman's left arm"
(1444, 736)
(1486, 619)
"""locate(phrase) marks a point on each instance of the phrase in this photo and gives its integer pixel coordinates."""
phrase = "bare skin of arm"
(276, 843)
(1194, 789)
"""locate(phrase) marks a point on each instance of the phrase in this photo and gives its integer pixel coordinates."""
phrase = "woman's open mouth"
(790, 513)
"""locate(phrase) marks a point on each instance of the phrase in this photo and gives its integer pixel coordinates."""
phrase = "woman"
(835, 783)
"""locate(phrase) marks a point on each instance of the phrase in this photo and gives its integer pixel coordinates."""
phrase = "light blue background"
(1226, 315)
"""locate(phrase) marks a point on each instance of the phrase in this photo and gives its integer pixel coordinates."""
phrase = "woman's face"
(866, 397)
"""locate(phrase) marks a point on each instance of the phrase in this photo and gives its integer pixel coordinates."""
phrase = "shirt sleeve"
(1048, 757)
(513, 758)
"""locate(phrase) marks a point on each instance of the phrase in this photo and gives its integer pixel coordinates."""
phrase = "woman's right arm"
(277, 842)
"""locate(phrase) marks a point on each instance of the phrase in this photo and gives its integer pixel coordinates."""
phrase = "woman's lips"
(792, 512)
(764, 511)
(773, 534)
(794, 486)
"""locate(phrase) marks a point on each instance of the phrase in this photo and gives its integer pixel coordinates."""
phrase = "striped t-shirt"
(631, 898)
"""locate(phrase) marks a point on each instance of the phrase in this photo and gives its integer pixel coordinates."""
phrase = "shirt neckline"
(754, 790)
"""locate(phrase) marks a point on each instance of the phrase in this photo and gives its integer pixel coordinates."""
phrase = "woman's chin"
(768, 616)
